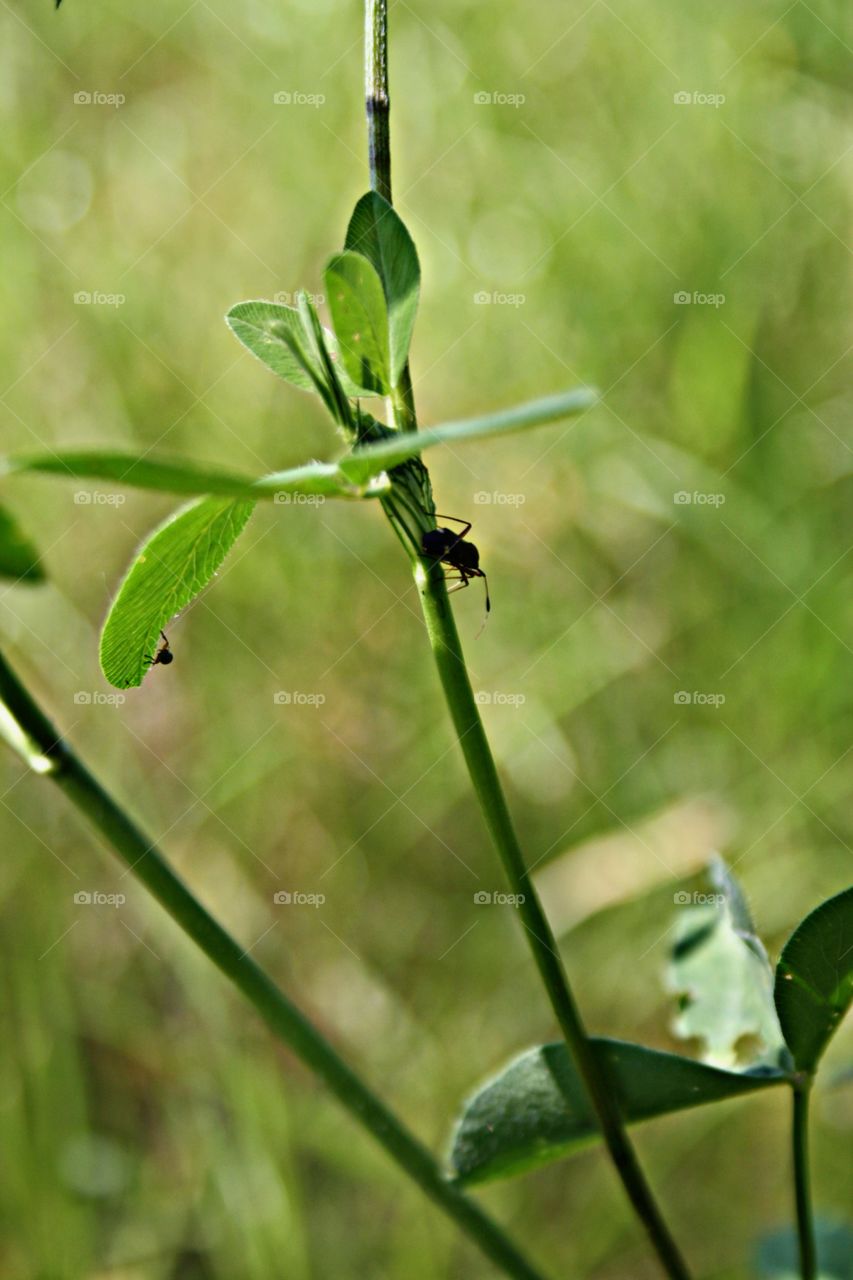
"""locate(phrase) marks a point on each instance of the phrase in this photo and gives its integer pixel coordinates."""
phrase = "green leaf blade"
(376, 231)
(360, 317)
(371, 459)
(536, 1110)
(169, 570)
(134, 471)
(19, 556)
(814, 979)
(180, 476)
(266, 329)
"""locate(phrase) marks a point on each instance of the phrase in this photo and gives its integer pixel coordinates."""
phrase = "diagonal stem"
(31, 733)
(453, 674)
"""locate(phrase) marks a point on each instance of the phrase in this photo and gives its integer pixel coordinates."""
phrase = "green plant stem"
(453, 673)
(376, 97)
(377, 101)
(447, 651)
(802, 1182)
(31, 733)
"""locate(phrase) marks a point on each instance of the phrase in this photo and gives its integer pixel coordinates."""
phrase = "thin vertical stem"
(802, 1180)
(31, 733)
(378, 107)
(453, 673)
(376, 97)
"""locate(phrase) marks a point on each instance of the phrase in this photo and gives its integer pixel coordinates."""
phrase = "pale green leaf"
(168, 571)
(721, 973)
(275, 335)
(360, 318)
(371, 459)
(376, 231)
(134, 471)
(177, 475)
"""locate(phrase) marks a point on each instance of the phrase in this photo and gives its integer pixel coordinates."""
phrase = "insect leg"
(460, 580)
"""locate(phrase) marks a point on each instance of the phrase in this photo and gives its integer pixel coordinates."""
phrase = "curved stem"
(453, 673)
(31, 733)
(802, 1182)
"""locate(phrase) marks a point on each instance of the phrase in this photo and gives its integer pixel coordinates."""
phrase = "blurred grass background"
(152, 1130)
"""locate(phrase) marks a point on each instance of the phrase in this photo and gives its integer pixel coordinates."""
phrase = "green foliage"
(814, 979)
(356, 475)
(170, 569)
(720, 971)
(19, 557)
(360, 317)
(371, 459)
(705, 597)
(271, 331)
(536, 1110)
(133, 470)
(179, 475)
(377, 231)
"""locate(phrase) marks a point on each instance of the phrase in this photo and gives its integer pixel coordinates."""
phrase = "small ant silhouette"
(162, 657)
(451, 549)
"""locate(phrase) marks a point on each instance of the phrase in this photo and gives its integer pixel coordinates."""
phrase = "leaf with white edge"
(376, 231)
(720, 971)
(274, 333)
(360, 318)
(325, 478)
(536, 1110)
(814, 979)
(177, 475)
(356, 475)
(778, 1253)
(333, 391)
(370, 459)
(19, 557)
(264, 327)
(169, 570)
(136, 471)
